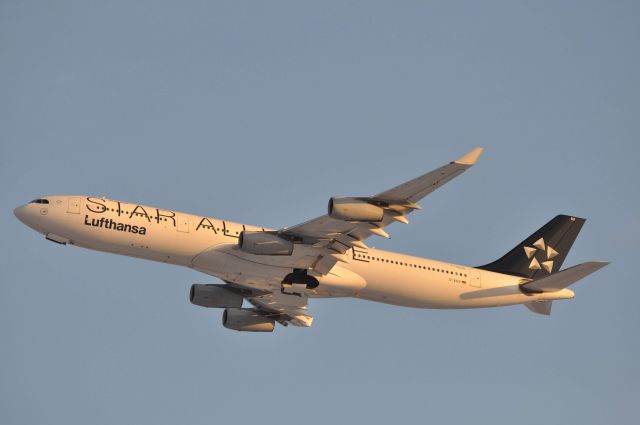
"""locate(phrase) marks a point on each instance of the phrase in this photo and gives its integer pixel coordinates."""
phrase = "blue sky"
(259, 112)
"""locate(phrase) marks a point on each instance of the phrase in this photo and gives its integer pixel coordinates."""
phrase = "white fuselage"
(210, 245)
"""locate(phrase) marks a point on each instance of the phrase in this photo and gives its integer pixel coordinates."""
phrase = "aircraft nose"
(21, 213)
(29, 216)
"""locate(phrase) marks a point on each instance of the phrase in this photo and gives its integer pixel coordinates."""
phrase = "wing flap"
(285, 308)
(324, 264)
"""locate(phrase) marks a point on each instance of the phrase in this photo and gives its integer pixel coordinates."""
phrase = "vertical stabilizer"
(542, 253)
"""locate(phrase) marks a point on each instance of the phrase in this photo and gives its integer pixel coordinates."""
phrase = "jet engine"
(246, 320)
(354, 209)
(264, 243)
(214, 296)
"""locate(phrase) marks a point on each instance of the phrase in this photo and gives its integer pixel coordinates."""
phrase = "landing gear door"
(474, 278)
(74, 205)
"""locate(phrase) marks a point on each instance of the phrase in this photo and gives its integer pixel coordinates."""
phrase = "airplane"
(277, 271)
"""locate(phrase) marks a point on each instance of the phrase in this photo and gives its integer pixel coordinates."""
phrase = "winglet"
(471, 157)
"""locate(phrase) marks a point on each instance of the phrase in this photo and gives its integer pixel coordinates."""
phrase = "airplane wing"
(283, 308)
(352, 220)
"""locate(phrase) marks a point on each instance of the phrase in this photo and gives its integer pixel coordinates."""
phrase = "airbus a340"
(277, 271)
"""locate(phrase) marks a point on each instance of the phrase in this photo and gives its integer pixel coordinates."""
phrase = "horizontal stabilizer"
(540, 307)
(564, 278)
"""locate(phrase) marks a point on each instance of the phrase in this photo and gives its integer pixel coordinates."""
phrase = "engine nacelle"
(353, 209)
(246, 320)
(264, 243)
(214, 296)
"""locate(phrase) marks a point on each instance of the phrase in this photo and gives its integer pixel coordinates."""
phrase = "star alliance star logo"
(547, 251)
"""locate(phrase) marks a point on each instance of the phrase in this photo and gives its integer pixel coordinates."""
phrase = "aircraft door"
(182, 223)
(474, 278)
(74, 205)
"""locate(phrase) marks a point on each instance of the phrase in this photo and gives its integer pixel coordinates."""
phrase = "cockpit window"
(40, 201)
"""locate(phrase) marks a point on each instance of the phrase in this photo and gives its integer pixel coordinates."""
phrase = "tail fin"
(543, 252)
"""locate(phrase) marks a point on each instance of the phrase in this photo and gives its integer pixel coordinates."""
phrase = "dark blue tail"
(543, 252)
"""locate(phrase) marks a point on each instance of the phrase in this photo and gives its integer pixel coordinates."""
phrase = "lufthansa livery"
(277, 271)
